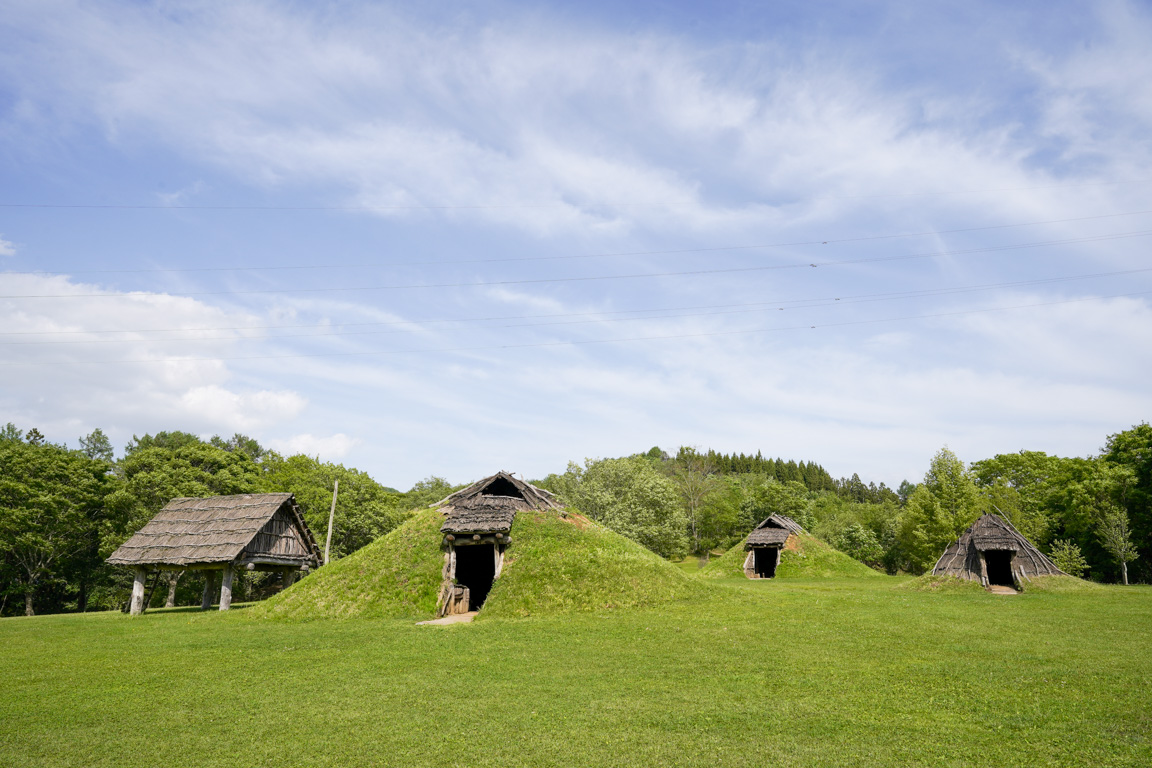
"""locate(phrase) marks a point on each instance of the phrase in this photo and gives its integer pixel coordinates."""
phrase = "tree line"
(63, 511)
(1092, 515)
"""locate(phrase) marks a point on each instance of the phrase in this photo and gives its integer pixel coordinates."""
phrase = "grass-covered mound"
(1059, 584)
(564, 564)
(396, 575)
(554, 564)
(932, 583)
(804, 557)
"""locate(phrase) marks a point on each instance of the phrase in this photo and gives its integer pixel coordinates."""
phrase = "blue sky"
(490, 236)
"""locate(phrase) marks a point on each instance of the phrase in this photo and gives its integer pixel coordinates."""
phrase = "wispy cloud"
(332, 447)
(649, 132)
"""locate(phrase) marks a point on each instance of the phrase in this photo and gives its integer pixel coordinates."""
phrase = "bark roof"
(221, 529)
(490, 505)
(992, 533)
(774, 530)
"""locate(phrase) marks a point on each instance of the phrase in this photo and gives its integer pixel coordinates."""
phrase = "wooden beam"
(137, 604)
(331, 517)
(209, 590)
(226, 588)
(289, 578)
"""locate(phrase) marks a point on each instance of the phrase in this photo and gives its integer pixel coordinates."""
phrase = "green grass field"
(789, 672)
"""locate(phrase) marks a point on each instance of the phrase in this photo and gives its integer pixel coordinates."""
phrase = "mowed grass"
(789, 672)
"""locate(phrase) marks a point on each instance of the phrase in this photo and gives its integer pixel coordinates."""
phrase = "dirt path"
(996, 589)
(459, 618)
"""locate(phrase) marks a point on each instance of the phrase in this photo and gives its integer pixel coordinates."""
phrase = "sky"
(480, 236)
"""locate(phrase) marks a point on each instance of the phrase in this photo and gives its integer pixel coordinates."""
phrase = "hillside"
(805, 557)
(554, 565)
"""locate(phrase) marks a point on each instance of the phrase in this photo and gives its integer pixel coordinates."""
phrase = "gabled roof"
(992, 533)
(774, 530)
(490, 505)
(221, 529)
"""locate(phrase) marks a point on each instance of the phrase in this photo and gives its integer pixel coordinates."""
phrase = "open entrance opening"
(476, 569)
(999, 562)
(764, 561)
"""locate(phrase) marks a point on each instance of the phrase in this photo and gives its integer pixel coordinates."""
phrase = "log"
(151, 591)
(209, 590)
(289, 578)
(226, 588)
(331, 518)
(137, 604)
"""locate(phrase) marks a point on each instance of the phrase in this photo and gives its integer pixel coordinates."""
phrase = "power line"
(720, 309)
(616, 254)
(582, 342)
(592, 278)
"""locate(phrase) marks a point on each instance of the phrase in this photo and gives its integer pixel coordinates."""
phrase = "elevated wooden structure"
(259, 531)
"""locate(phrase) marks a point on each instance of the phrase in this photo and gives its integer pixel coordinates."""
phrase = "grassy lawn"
(784, 672)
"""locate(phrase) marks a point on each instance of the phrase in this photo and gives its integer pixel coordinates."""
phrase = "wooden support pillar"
(226, 588)
(136, 607)
(289, 578)
(209, 590)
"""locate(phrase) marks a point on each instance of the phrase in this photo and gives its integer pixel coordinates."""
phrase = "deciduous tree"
(50, 505)
(1116, 539)
(630, 497)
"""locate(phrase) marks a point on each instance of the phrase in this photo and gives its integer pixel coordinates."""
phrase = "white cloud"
(330, 448)
(129, 362)
(243, 411)
(7, 248)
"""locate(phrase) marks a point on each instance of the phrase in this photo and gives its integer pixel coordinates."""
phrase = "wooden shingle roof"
(774, 530)
(490, 505)
(267, 527)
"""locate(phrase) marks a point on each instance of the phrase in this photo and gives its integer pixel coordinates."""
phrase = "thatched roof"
(992, 533)
(773, 531)
(490, 505)
(262, 528)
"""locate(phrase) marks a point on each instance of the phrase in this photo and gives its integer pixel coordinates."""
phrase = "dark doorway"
(501, 487)
(764, 561)
(999, 562)
(475, 569)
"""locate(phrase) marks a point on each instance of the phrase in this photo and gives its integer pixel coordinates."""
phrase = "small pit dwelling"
(765, 543)
(994, 553)
(476, 534)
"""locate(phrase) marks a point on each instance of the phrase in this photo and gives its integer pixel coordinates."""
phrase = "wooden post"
(137, 605)
(226, 588)
(209, 590)
(331, 517)
(289, 578)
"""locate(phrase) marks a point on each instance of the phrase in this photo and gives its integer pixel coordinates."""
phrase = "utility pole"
(331, 516)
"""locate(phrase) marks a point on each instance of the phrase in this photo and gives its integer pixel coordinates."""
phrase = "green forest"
(63, 510)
